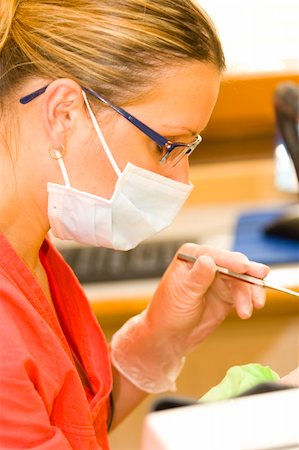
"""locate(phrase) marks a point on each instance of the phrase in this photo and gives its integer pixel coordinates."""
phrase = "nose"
(180, 172)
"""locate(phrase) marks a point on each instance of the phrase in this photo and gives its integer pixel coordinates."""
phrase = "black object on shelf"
(285, 225)
(286, 108)
(251, 238)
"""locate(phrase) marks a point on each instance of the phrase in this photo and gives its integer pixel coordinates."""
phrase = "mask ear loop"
(101, 137)
(58, 155)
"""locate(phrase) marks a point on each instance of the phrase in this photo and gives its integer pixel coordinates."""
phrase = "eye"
(159, 149)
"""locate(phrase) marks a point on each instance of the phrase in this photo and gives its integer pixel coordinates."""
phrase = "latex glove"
(189, 303)
(292, 379)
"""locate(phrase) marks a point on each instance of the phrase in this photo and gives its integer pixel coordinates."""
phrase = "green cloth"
(239, 379)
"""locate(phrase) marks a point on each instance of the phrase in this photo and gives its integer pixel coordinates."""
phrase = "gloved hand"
(291, 379)
(189, 303)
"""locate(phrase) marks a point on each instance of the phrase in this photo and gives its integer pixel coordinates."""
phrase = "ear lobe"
(63, 104)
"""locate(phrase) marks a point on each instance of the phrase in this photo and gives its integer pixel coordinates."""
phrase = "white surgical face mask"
(142, 204)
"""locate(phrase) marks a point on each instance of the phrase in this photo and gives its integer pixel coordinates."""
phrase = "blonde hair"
(116, 47)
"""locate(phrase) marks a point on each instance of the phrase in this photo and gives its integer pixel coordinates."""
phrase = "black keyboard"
(97, 264)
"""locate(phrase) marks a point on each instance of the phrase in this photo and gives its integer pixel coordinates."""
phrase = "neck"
(23, 226)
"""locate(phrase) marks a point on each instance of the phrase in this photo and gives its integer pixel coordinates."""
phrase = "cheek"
(128, 144)
(101, 175)
(90, 170)
(140, 151)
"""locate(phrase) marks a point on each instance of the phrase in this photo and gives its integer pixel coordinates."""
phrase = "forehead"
(184, 95)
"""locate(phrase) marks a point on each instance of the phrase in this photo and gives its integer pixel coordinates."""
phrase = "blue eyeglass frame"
(165, 144)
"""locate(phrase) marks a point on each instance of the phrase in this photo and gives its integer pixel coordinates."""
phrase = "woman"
(93, 96)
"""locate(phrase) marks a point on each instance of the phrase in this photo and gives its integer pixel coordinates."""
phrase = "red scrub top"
(43, 403)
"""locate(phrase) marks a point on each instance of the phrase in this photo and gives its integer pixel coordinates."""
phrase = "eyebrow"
(179, 127)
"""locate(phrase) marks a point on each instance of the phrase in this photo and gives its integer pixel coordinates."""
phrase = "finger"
(202, 274)
(235, 261)
(258, 296)
(242, 299)
(258, 270)
(292, 379)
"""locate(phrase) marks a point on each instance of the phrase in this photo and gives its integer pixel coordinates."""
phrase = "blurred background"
(261, 45)
(243, 186)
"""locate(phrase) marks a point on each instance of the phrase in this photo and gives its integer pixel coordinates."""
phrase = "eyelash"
(159, 149)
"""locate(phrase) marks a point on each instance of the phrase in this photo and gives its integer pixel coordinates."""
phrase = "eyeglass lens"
(174, 156)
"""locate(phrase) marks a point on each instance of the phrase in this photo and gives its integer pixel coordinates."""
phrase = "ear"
(63, 106)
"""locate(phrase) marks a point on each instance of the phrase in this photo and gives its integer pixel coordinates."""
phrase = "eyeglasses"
(171, 152)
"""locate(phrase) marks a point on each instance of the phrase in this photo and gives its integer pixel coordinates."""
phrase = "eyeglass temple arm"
(160, 140)
(28, 98)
